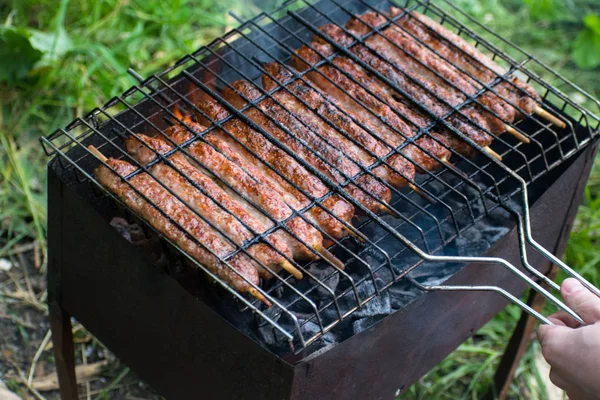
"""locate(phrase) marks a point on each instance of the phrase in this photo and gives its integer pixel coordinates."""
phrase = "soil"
(23, 326)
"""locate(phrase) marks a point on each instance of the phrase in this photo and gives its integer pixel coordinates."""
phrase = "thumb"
(581, 300)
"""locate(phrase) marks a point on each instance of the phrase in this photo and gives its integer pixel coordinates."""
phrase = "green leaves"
(542, 8)
(17, 54)
(586, 51)
(24, 51)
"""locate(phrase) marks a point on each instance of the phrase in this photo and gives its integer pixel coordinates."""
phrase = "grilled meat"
(472, 60)
(371, 103)
(270, 203)
(404, 73)
(241, 273)
(288, 167)
(222, 214)
(432, 67)
(401, 169)
(328, 160)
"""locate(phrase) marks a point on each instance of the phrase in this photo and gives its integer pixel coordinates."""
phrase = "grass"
(82, 51)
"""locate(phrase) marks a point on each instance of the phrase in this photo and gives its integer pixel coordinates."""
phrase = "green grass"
(90, 45)
(551, 35)
(84, 47)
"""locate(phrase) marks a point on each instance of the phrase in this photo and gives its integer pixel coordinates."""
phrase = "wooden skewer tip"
(356, 235)
(493, 153)
(550, 117)
(295, 272)
(388, 209)
(421, 193)
(456, 170)
(257, 295)
(517, 134)
(97, 153)
(328, 256)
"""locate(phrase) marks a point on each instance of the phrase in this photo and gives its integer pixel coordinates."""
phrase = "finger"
(557, 379)
(556, 321)
(542, 333)
(578, 394)
(581, 300)
(558, 344)
(564, 319)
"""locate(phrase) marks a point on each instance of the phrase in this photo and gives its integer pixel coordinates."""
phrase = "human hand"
(573, 349)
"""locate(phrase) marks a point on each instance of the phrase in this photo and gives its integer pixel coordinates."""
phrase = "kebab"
(405, 73)
(430, 67)
(373, 106)
(328, 160)
(337, 208)
(329, 112)
(219, 209)
(461, 53)
(188, 232)
(227, 165)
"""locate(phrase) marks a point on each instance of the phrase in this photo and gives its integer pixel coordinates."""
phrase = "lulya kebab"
(477, 64)
(299, 91)
(423, 65)
(220, 209)
(308, 143)
(163, 207)
(376, 106)
(335, 209)
(409, 76)
(459, 86)
(230, 167)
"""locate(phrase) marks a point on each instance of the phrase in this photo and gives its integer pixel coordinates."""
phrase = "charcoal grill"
(370, 329)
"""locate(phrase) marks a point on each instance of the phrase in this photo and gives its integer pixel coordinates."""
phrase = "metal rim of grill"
(211, 67)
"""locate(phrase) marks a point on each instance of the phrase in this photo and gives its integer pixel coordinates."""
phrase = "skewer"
(356, 235)
(421, 193)
(328, 256)
(453, 167)
(97, 153)
(492, 153)
(390, 210)
(517, 134)
(549, 117)
(295, 272)
(257, 295)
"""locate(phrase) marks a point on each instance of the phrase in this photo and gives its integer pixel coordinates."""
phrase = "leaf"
(17, 54)
(592, 21)
(542, 9)
(53, 45)
(22, 51)
(586, 51)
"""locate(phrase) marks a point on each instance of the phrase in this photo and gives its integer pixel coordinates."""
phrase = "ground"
(67, 57)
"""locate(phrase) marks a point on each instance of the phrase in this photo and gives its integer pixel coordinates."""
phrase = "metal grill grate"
(429, 212)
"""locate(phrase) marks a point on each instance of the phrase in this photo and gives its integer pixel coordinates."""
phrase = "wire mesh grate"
(426, 213)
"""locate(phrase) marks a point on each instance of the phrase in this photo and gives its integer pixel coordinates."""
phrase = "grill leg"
(64, 352)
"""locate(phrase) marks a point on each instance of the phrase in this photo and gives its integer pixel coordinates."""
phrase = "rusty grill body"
(220, 344)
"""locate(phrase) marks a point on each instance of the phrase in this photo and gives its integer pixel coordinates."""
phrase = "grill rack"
(104, 128)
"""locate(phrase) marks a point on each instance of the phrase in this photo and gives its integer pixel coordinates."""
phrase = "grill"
(465, 226)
